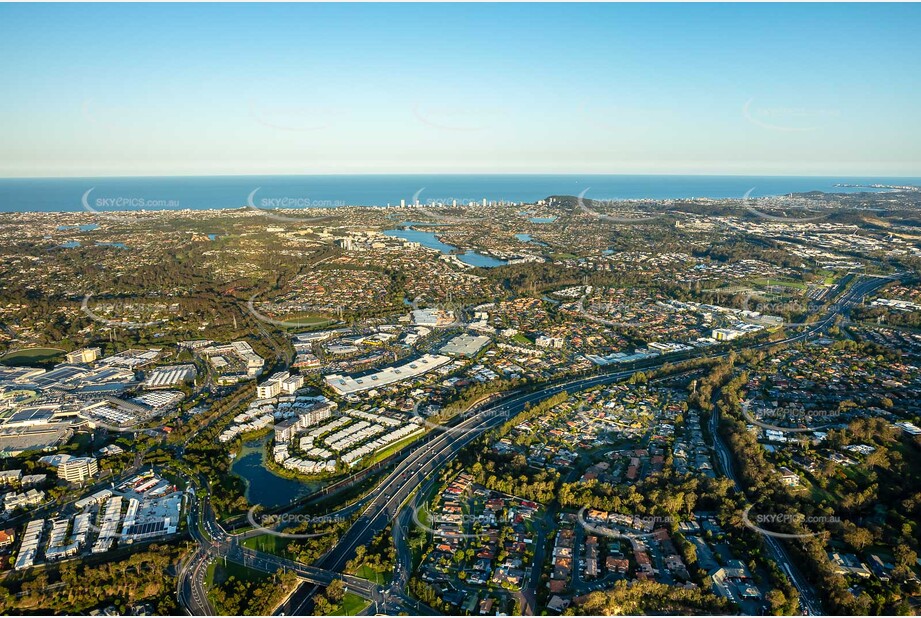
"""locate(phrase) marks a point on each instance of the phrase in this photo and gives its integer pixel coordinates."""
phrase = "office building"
(84, 355)
(77, 469)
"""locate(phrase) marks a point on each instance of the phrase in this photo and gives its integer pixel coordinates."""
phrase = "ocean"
(216, 192)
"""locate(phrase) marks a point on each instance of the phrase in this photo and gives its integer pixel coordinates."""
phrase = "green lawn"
(519, 338)
(268, 543)
(33, 356)
(393, 448)
(304, 320)
(370, 574)
(351, 605)
(424, 515)
(799, 285)
(209, 575)
(218, 573)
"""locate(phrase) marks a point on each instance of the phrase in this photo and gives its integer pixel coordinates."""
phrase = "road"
(191, 590)
(216, 543)
(809, 600)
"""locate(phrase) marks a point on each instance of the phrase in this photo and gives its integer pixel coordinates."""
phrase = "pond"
(542, 219)
(262, 485)
(529, 239)
(428, 239)
(423, 224)
(478, 259)
(86, 227)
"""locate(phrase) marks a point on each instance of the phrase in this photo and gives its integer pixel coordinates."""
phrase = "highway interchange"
(383, 504)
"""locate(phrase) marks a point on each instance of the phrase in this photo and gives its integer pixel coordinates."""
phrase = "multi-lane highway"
(216, 543)
(191, 590)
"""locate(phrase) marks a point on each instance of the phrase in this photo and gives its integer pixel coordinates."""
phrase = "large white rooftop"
(345, 385)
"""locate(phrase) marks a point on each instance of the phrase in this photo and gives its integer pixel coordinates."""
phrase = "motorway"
(409, 474)
(191, 590)
(216, 543)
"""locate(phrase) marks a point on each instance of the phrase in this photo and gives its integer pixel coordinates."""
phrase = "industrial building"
(433, 317)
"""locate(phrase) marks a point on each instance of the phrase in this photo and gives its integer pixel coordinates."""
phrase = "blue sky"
(98, 90)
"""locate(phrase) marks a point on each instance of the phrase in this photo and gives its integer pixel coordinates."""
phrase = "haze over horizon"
(199, 90)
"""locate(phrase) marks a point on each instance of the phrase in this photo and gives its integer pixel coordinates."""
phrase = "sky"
(207, 89)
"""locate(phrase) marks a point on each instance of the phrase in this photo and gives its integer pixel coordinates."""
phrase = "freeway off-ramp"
(386, 499)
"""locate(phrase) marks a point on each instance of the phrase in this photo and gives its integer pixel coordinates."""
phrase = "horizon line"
(397, 174)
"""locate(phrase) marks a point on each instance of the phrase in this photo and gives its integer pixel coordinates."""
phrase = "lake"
(86, 227)
(529, 239)
(262, 485)
(430, 240)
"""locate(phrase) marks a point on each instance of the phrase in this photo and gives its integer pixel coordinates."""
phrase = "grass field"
(798, 285)
(371, 575)
(519, 338)
(351, 605)
(218, 573)
(268, 543)
(304, 320)
(33, 356)
(393, 448)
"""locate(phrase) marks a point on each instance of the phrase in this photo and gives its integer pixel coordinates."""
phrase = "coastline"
(113, 195)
